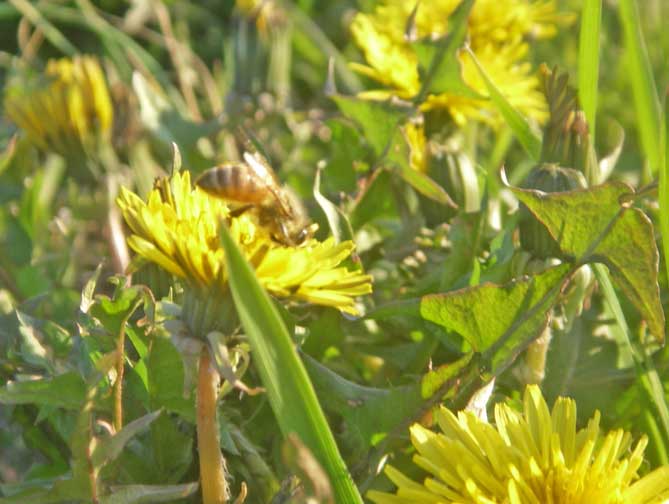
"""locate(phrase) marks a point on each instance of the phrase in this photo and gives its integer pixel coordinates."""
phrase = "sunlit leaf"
(498, 320)
(600, 225)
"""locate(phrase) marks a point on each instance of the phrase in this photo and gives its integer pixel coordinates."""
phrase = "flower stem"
(212, 466)
(118, 384)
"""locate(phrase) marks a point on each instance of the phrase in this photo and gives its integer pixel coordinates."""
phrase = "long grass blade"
(289, 389)
(520, 127)
(50, 31)
(646, 101)
(645, 369)
(663, 190)
(588, 60)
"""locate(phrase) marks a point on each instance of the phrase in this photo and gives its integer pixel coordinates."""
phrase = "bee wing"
(263, 170)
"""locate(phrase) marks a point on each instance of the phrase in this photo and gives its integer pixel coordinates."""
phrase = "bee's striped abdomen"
(234, 182)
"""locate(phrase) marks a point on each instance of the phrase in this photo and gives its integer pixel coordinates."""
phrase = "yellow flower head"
(67, 113)
(497, 34)
(536, 456)
(178, 228)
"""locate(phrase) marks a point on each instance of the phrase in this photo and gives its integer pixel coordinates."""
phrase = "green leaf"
(399, 157)
(289, 390)
(16, 245)
(166, 380)
(434, 380)
(378, 120)
(88, 291)
(172, 449)
(380, 124)
(107, 449)
(346, 152)
(148, 494)
(588, 61)
(599, 225)
(369, 413)
(518, 124)
(374, 202)
(40, 340)
(67, 390)
(114, 312)
(646, 101)
(498, 320)
(438, 64)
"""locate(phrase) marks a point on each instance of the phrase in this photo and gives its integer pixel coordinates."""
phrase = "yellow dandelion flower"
(536, 456)
(178, 228)
(497, 34)
(69, 112)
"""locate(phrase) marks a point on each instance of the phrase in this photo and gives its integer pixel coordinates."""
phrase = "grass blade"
(663, 190)
(50, 31)
(588, 60)
(645, 369)
(646, 101)
(289, 389)
(520, 127)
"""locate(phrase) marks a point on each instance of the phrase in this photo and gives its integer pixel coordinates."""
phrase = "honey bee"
(253, 184)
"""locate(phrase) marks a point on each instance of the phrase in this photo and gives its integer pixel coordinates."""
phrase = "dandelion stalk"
(118, 384)
(212, 466)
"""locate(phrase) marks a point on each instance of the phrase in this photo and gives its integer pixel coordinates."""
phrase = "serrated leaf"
(599, 225)
(67, 391)
(498, 320)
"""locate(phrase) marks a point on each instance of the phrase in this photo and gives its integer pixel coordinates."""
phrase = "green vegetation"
(485, 232)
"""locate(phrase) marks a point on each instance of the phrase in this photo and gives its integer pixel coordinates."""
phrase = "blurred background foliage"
(189, 73)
